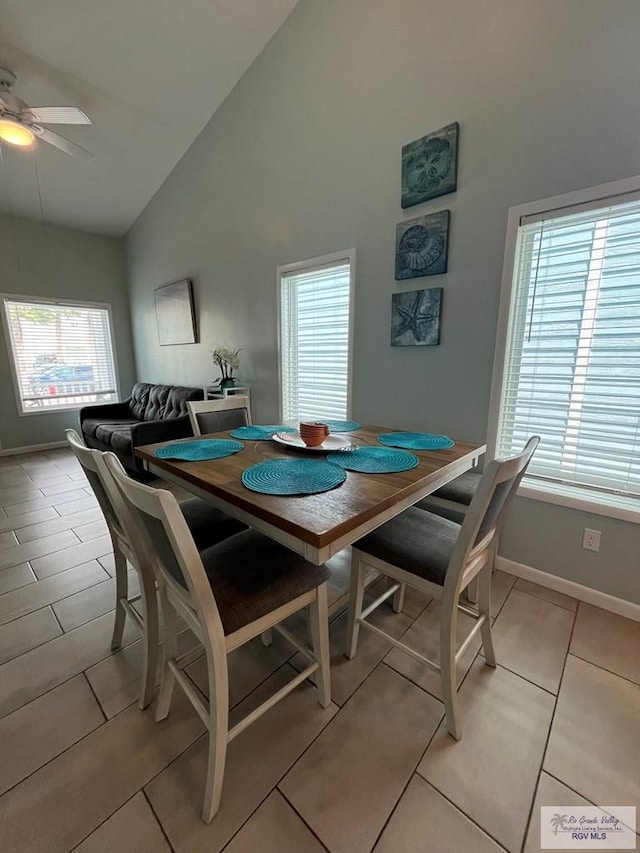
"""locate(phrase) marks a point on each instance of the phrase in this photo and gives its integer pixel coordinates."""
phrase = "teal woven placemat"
(342, 426)
(293, 477)
(416, 440)
(374, 460)
(259, 432)
(198, 451)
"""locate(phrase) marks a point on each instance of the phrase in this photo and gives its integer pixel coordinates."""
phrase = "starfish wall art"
(415, 318)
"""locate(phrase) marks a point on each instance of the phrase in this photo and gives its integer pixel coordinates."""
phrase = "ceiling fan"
(20, 123)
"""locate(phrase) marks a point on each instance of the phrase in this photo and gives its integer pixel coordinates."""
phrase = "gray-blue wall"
(304, 159)
(48, 261)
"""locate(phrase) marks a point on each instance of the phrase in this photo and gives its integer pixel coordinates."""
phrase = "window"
(570, 364)
(315, 337)
(61, 351)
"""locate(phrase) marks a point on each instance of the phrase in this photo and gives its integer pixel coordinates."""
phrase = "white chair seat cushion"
(416, 541)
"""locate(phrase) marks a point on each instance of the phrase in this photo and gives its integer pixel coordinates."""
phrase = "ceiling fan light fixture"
(16, 133)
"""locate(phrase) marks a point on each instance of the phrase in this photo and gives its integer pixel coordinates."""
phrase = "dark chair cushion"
(207, 524)
(462, 489)
(456, 515)
(251, 575)
(222, 420)
(416, 541)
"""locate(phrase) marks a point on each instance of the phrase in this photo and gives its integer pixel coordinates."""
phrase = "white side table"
(214, 392)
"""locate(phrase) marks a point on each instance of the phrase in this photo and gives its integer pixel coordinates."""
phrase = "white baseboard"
(575, 590)
(33, 448)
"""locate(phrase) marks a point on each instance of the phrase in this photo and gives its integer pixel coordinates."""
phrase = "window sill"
(574, 497)
(54, 410)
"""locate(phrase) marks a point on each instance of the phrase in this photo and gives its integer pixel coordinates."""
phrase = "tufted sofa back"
(159, 402)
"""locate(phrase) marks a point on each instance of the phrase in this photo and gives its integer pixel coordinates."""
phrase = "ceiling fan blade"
(58, 115)
(60, 142)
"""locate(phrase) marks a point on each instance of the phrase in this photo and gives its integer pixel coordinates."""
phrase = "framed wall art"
(422, 245)
(175, 313)
(430, 166)
(415, 318)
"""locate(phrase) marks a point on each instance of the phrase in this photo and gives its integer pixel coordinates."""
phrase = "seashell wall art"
(430, 166)
(429, 170)
(422, 245)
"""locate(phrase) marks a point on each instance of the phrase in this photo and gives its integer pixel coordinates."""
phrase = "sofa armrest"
(106, 410)
(151, 432)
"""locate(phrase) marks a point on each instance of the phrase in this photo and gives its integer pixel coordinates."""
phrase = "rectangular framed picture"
(415, 318)
(430, 166)
(422, 245)
(175, 313)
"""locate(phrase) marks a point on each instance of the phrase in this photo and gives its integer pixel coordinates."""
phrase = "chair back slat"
(207, 416)
(482, 521)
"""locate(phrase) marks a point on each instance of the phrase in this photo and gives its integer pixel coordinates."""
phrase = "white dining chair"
(208, 416)
(227, 595)
(207, 525)
(440, 558)
(147, 622)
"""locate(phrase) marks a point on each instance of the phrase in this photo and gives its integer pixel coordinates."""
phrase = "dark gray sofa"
(152, 413)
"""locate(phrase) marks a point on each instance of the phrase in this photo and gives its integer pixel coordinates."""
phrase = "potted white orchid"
(227, 360)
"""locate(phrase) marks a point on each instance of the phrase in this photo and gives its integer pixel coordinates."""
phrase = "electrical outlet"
(591, 539)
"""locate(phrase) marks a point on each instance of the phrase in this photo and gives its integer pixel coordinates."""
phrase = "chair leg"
(319, 629)
(122, 591)
(150, 638)
(169, 652)
(484, 608)
(267, 637)
(398, 598)
(448, 625)
(218, 734)
(356, 597)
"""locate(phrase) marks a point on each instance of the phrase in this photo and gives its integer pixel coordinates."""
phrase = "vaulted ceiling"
(149, 73)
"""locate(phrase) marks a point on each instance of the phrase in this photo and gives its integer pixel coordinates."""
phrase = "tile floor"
(557, 723)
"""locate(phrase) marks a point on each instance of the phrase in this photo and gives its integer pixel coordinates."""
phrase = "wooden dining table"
(318, 526)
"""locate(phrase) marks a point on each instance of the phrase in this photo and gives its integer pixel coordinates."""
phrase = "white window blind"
(572, 362)
(315, 340)
(62, 354)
